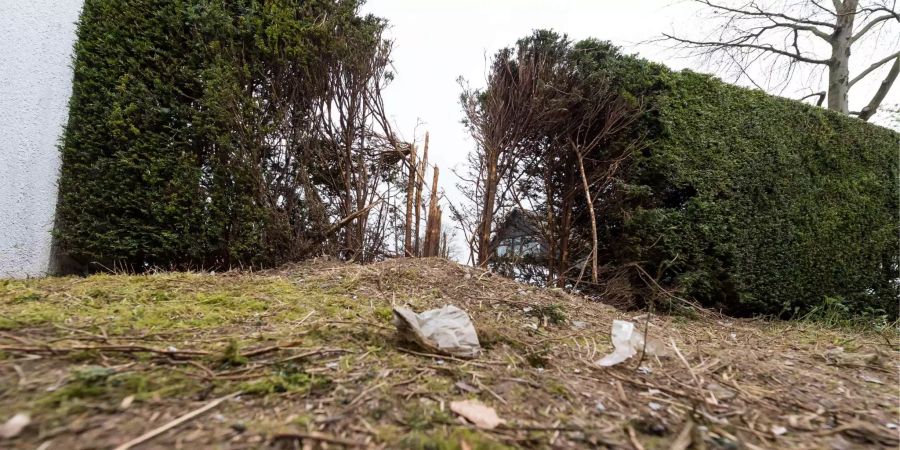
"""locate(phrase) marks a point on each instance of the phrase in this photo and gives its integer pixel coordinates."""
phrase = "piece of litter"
(778, 430)
(14, 425)
(447, 330)
(171, 349)
(579, 325)
(645, 370)
(126, 403)
(331, 365)
(869, 379)
(653, 392)
(481, 415)
(655, 406)
(628, 342)
(600, 407)
(891, 425)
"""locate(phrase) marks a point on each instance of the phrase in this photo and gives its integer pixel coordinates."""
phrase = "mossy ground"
(313, 351)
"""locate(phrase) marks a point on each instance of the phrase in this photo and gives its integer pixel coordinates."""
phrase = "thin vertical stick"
(590, 204)
(420, 174)
(410, 188)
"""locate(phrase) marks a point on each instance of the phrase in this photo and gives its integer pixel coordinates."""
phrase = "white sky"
(436, 42)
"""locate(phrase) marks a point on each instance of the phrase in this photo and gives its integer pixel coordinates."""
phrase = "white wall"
(36, 39)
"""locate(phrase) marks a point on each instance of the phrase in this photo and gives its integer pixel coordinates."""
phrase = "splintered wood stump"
(433, 226)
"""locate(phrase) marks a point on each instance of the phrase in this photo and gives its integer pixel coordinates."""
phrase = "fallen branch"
(46, 349)
(270, 349)
(314, 436)
(160, 430)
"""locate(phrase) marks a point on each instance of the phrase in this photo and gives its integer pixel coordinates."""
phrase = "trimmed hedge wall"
(759, 204)
(130, 183)
(164, 157)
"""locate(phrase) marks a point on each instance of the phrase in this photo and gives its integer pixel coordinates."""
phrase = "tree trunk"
(564, 229)
(487, 213)
(420, 174)
(839, 67)
(410, 188)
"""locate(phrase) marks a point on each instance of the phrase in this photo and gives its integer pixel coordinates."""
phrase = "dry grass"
(312, 349)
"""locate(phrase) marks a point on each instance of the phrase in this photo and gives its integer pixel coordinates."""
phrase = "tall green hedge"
(130, 183)
(167, 155)
(759, 204)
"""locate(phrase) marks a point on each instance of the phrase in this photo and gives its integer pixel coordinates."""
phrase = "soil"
(307, 357)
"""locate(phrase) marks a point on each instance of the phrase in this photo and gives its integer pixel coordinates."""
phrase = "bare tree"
(782, 36)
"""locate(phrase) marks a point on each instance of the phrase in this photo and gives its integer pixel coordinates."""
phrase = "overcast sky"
(436, 42)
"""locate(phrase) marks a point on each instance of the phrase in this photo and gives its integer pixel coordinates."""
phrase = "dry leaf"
(478, 413)
(126, 403)
(14, 425)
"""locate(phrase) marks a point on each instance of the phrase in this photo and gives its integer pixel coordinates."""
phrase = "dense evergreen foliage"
(743, 201)
(755, 203)
(199, 131)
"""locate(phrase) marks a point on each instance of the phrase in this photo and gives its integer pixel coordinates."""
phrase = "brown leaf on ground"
(481, 415)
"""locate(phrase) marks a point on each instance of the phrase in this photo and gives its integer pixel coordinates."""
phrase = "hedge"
(154, 170)
(757, 204)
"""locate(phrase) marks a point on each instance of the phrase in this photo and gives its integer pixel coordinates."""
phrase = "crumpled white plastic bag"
(627, 342)
(447, 330)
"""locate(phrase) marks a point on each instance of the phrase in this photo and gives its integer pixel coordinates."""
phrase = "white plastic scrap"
(628, 341)
(447, 330)
(14, 425)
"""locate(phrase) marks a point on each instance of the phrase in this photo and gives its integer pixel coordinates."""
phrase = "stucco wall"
(36, 38)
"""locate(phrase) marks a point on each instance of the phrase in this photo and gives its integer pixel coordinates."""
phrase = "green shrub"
(759, 204)
(174, 153)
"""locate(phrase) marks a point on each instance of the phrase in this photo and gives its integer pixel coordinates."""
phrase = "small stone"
(599, 407)
(721, 392)
(239, 427)
(778, 430)
(466, 387)
(655, 406)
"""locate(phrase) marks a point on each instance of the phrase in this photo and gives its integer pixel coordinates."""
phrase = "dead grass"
(312, 349)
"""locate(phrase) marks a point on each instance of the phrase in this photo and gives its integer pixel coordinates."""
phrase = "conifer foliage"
(222, 133)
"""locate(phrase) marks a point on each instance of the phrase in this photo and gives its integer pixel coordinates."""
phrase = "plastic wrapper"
(447, 330)
(627, 342)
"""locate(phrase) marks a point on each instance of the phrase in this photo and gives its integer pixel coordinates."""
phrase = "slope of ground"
(312, 352)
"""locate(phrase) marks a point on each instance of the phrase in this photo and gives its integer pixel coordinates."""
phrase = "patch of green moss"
(231, 356)
(100, 385)
(288, 379)
(552, 313)
(162, 302)
(421, 417)
(455, 440)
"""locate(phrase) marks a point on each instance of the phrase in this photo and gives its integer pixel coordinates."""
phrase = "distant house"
(519, 237)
